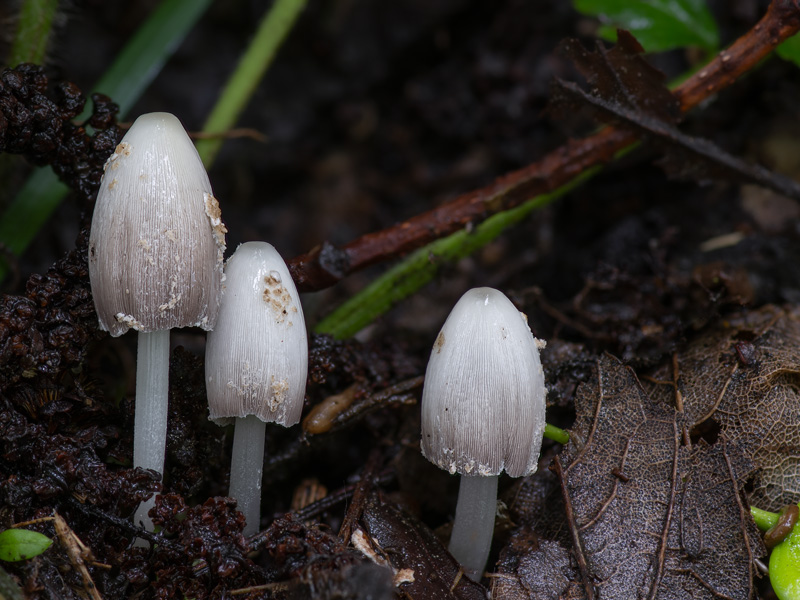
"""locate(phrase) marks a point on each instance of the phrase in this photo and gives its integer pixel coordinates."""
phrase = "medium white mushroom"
(155, 262)
(483, 411)
(256, 363)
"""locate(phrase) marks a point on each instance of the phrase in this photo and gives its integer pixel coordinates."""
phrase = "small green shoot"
(551, 432)
(21, 544)
(764, 519)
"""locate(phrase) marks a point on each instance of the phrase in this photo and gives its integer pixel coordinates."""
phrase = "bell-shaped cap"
(157, 242)
(483, 402)
(257, 355)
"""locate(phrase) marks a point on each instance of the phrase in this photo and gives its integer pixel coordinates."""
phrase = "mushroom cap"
(257, 355)
(157, 242)
(483, 402)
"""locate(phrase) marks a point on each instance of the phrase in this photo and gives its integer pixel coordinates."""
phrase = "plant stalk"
(247, 466)
(150, 421)
(33, 31)
(764, 519)
(473, 527)
(272, 30)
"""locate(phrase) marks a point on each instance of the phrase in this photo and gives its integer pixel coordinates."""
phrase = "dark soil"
(372, 114)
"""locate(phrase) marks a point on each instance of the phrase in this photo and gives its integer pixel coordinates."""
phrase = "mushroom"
(256, 363)
(483, 411)
(155, 262)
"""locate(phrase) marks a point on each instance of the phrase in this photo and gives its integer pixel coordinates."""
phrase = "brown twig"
(80, 555)
(360, 495)
(325, 265)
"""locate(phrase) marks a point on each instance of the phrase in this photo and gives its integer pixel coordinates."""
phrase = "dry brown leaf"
(624, 90)
(652, 517)
(743, 376)
(622, 75)
(540, 574)
(423, 568)
(649, 515)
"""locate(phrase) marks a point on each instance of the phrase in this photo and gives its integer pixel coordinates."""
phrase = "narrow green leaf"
(22, 544)
(421, 266)
(36, 201)
(143, 57)
(35, 22)
(659, 25)
(273, 29)
(133, 70)
(790, 50)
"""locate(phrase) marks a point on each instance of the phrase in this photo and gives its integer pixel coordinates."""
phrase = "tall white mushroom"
(256, 363)
(483, 411)
(155, 262)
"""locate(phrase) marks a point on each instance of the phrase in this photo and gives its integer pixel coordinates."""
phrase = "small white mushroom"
(256, 363)
(155, 262)
(157, 242)
(483, 411)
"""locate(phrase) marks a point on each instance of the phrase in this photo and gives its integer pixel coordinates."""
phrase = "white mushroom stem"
(473, 528)
(150, 422)
(247, 466)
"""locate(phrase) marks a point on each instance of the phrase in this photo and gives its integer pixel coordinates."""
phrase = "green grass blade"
(273, 29)
(421, 266)
(34, 204)
(145, 54)
(33, 31)
(133, 70)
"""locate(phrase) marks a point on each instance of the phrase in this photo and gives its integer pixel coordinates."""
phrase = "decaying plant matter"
(661, 460)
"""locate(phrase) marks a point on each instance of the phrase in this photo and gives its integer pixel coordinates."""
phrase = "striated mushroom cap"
(257, 355)
(483, 403)
(157, 242)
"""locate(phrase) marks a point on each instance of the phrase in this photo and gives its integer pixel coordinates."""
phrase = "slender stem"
(312, 271)
(274, 27)
(33, 31)
(764, 519)
(150, 421)
(556, 434)
(247, 466)
(473, 528)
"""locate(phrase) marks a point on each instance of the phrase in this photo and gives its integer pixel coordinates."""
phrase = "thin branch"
(325, 265)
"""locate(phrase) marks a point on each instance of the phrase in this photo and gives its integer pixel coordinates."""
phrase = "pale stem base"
(150, 420)
(247, 466)
(473, 528)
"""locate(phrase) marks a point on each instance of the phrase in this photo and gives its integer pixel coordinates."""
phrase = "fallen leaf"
(408, 545)
(742, 378)
(621, 75)
(624, 90)
(652, 517)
